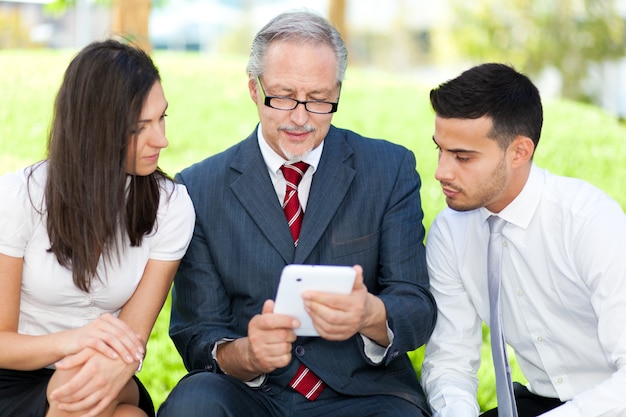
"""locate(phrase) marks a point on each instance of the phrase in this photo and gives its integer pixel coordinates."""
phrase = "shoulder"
(216, 165)
(450, 221)
(576, 197)
(368, 144)
(176, 220)
(21, 207)
(373, 154)
(455, 230)
(24, 186)
(174, 197)
(450, 236)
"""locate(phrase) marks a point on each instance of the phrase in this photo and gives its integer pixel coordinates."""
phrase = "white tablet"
(297, 278)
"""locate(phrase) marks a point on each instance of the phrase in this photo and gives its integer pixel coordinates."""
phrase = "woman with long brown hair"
(90, 241)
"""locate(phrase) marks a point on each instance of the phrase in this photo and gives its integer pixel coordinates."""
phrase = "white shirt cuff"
(375, 352)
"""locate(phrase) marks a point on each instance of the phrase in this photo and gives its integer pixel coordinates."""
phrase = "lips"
(449, 191)
(296, 134)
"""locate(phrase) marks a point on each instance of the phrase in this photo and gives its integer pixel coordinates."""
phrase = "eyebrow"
(290, 90)
(148, 120)
(470, 151)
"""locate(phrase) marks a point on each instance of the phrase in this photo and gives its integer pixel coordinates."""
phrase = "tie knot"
(293, 172)
(495, 224)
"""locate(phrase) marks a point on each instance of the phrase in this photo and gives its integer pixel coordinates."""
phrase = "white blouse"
(50, 301)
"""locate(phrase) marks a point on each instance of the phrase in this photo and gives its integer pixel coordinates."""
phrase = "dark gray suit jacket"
(363, 208)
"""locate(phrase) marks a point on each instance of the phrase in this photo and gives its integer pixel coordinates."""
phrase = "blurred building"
(193, 25)
(29, 23)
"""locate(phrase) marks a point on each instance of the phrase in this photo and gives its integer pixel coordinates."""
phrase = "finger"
(99, 408)
(314, 301)
(334, 330)
(126, 331)
(329, 314)
(102, 347)
(74, 390)
(113, 346)
(93, 402)
(82, 382)
(276, 338)
(268, 307)
(269, 356)
(120, 337)
(333, 323)
(358, 280)
(72, 361)
(270, 321)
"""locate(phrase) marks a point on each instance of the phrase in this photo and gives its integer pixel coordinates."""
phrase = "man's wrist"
(233, 353)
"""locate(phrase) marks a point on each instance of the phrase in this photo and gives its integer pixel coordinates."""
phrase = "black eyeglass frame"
(268, 99)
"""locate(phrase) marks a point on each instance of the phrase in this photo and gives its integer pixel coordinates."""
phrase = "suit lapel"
(254, 190)
(331, 182)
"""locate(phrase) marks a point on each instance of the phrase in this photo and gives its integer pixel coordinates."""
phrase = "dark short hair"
(496, 91)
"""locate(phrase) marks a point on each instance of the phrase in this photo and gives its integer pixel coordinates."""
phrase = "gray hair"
(300, 26)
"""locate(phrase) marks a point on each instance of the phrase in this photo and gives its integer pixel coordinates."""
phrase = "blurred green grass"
(210, 109)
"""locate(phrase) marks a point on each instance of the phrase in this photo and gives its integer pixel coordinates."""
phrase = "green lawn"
(210, 110)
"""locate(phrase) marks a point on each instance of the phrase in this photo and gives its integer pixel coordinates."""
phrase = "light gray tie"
(504, 384)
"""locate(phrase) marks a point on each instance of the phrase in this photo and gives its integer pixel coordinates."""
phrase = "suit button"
(300, 350)
(266, 388)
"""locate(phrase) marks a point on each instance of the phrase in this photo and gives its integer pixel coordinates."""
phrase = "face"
(473, 170)
(142, 159)
(303, 72)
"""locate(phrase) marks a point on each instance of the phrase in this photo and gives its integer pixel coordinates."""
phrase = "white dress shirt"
(274, 161)
(563, 298)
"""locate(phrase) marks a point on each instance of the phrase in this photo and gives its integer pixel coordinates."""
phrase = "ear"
(253, 88)
(521, 149)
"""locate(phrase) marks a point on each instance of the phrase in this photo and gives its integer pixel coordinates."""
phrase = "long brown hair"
(90, 199)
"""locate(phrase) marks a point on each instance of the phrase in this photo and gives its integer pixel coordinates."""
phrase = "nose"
(299, 115)
(158, 138)
(443, 172)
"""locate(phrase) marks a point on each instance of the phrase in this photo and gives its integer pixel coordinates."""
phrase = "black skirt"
(23, 393)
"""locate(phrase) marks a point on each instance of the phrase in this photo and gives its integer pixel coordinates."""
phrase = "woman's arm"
(142, 310)
(93, 380)
(107, 335)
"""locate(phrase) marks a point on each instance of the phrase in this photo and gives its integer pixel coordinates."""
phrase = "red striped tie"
(291, 205)
(307, 383)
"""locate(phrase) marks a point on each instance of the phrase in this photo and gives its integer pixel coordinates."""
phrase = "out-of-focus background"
(572, 48)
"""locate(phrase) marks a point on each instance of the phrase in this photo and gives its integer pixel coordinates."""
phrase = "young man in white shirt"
(563, 269)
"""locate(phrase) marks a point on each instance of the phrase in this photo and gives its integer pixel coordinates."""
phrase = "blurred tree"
(337, 16)
(13, 34)
(130, 18)
(533, 35)
(131, 21)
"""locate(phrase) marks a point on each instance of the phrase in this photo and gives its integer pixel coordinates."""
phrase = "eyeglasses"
(287, 103)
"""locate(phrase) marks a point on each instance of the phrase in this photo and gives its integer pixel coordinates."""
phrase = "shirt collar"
(522, 209)
(274, 161)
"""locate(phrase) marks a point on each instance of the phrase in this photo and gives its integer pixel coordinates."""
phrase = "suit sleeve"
(201, 313)
(403, 276)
